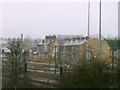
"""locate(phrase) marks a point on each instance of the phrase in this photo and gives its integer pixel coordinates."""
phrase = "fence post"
(49, 56)
(25, 64)
(112, 57)
(69, 53)
(60, 71)
(60, 60)
(84, 61)
(55, 59)
(112, 62)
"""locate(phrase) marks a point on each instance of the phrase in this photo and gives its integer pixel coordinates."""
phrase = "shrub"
(91, 74)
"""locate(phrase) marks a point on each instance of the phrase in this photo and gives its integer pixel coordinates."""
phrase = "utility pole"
(100, 33)
(88, 29)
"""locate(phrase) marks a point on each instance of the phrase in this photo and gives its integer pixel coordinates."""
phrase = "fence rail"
(38, 81)
(41, 65)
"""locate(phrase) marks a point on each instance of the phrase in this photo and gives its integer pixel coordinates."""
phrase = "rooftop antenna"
(22, 37)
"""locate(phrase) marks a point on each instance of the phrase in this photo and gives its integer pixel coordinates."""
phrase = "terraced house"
(70, 49)
(45, 47)
(76, 49)
(106, 50)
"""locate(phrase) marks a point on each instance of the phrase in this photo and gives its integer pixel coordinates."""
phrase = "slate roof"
(69, 36)
(73, 43)
(46, 42)
(114, 44)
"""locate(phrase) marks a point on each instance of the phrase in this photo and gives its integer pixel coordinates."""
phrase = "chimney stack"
(22, 37)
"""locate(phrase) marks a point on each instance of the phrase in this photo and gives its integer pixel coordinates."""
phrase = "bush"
(91, 74)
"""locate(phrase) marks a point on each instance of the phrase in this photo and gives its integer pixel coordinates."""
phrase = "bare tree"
(14, 65)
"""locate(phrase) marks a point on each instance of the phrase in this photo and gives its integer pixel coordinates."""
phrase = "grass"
(90, 74)
(6, 83)
(52, 61)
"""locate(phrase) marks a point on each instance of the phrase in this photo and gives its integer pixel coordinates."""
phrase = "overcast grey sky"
(38, 19)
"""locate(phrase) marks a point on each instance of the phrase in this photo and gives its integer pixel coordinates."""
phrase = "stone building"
(106, 50)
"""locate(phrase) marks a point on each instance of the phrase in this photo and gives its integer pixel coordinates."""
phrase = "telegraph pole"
(100, 33)
(88, 29)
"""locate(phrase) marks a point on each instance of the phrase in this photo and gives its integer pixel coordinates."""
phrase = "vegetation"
(13, 68)
(91, 74)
